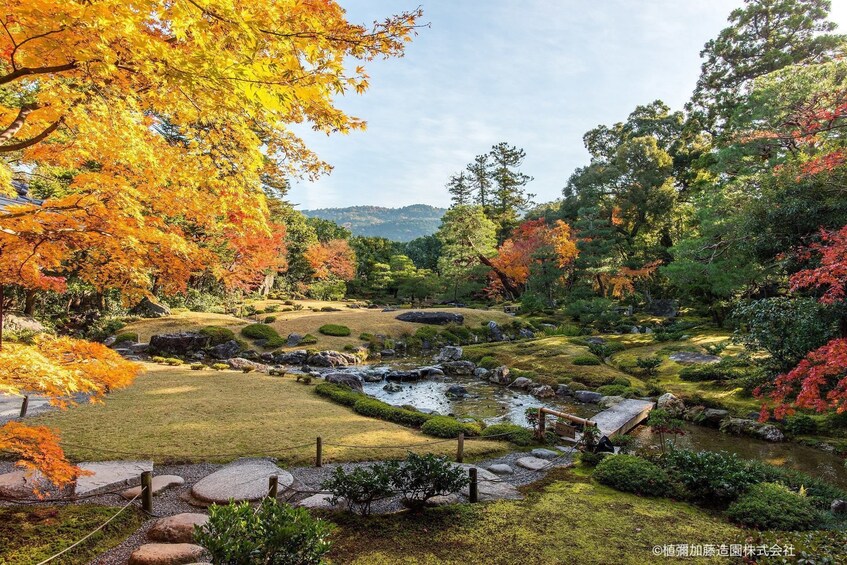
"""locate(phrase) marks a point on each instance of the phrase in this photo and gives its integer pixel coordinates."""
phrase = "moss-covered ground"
(567, 518)
(174, 414)
(31, 534)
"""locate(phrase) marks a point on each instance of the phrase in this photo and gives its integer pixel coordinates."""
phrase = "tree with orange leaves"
(333, 259)
(58, 368)
(531, 243)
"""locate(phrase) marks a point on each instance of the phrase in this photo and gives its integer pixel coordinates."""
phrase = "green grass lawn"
(30, 535)
(178, 415)
(567, 518)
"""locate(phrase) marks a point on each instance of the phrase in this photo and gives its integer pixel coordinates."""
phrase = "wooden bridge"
(618, 419)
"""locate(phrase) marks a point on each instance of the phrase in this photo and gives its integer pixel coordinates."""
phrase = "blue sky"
(534, 73)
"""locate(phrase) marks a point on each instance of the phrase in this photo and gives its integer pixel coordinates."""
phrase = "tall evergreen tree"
(460, 189)
(509, 197)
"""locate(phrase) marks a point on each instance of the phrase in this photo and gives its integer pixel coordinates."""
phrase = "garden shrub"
(800, 424)
(339, 393)
(514, 433)
(585, 360)
(488, 362)
(648, 365)
(220, 366)
(361, 487)
(218, 335)
(334, 330)
(265, 332)
(374, 408)
(269, 319)
(447, 427)
(711, 476)
(629, 473)
(427, 333)
(591, 459)
(328, 290)
(603, 350)
(818, 492)
(174, 362)
(197, 366)
(158, 359)
(616, 390)
(623, 381)
(308, 339)
(422, 477)
(770, 506)
(272, 533)
(125, 337)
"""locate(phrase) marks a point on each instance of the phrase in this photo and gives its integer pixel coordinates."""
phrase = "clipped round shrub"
(125, 337)
(265, 332)
(335, 330)
(197, 366)
(308, 339)
(339, 393)
(158, 359)
(220, 366)
(511, 432)
(218, 335)
(269, 319)
(447, 427)
(629, 473)
(770, 506)
(174, 362)
(585, 360)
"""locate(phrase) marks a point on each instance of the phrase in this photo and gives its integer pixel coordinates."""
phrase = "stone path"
(106, 475)
(160, 483)
(244, 479)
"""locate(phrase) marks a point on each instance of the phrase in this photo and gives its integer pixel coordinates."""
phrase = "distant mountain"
(396, 224)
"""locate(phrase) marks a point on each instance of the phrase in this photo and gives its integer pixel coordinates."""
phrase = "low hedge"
(124, 337)
(339, 393)
(770, 506)
(629, 473)
(585, 360)
(515, 434)
(334, 330)
(376, 409)
(447, 427)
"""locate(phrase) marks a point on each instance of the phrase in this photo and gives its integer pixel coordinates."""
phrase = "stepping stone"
(160, 483)
(106, 475)
(501, 469)
(542, 453)
(692, 357)
(244, 479)
(531, 463)
(321, 501)
(166, 554)
(176, 529)
(490, 486)
(22, 484)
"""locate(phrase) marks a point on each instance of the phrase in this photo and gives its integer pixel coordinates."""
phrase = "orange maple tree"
(511, 266)
(333, 259)
(59, 368)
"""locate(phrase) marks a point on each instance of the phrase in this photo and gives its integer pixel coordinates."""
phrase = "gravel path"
(307, 480)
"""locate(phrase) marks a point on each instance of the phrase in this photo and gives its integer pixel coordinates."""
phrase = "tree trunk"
(510, 288)
(267, 284)
(29, 302)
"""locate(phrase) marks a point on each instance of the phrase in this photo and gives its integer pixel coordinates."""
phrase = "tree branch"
(26, 71)
(17, 123)
(33, 140)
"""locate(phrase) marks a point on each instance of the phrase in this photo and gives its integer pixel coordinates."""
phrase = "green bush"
(265, 332)
(308, 339)
(269, 319)
(197, 366)
(711, 476)
(648, 365)
(819, 493)
(616, 390)
(124, 337)
(367, 406)
(447, 427)
(800, 424)
(174, 362)
(339, 393)
(629, 473)
(361, 487)
(603, 350)
(591, 459)
(428, 333)
(220, 366)
(422, 477)
(585, 360)
(488, 362)
(770, 506)
(514, 433)
(273, 533)
(334, 330)
(218, 335)
(327, 290)
(158, 359)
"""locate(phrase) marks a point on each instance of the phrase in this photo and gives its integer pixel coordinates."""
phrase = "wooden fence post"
(147, 491)
(24, 406)
(542, 423)
(273, 486)
(319, 456)
(473, 488)
(460, 448)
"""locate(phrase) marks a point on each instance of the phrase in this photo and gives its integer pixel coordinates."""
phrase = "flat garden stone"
(160, 483)
(22, 484)
(542, 453)
(106, 475)
(501, 469)
(176, 529)
(320, 501)
(244, 479)
(490, 486)
(531, 463)
(166, 554)
(693, 357)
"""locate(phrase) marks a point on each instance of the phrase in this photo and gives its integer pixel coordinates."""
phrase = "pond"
(493, 404)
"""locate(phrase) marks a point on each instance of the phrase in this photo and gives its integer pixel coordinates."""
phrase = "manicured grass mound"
(586, 361)
(218, 335)
(30, 534)
(633, 474)
(126, 337)
(263, 331)
(770, 506)
(335, 330)
(374, 408)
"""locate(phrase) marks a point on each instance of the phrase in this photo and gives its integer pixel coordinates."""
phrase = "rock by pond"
(240, 364)
(392, 387)
(693, 358)
(587, 396)
(459, 368)
(743, 426)
(449, 353)
(332, 359)
(178, 343)
(350, 380)
(521, 383)
(457, 391)
(500, 375)
(433, 318)
(225, 350)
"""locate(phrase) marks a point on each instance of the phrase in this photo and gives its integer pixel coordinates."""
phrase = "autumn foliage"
(333, 259)
(57, 367)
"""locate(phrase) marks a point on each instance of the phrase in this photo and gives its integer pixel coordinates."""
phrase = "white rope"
(100, 527)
